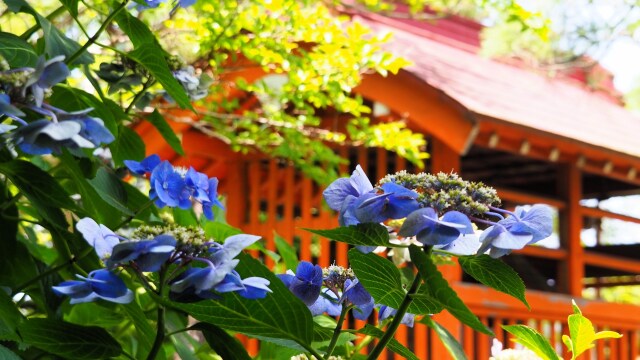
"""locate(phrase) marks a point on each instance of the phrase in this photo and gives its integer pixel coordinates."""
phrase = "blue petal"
(458, 220)
(336, 193)
(360, 181)
(356, 293)
(255, 288)
(305, 290)
(371, 207)
(286, 279)
(347, 216)
(417, 221)
(100, 237)
(309, 272)
(363, 311)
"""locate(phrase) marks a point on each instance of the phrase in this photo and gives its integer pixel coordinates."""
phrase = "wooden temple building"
(535, 138)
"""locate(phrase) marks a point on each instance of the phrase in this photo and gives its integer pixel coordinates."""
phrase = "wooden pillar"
(571, 270)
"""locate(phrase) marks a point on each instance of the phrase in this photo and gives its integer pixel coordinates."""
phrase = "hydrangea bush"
(107, 253)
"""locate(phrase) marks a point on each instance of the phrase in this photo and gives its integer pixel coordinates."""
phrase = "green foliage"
(582, 334)
(449, 341)
(16, 51)
(532, 340)
(441, 291)
(495, 274)
(394, 345)
(222, 343)
(365, 234)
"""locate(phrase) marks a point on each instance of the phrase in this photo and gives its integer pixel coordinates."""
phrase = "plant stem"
(337, 330)
(139, 95)
(52, 270)
(397, 319)
(131, 217)
(160, 334)
(95, 36)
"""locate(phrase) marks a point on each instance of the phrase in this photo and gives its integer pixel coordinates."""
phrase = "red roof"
(507, 93)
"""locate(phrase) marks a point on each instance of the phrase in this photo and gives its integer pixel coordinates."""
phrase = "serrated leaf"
(393, 345)
(279, 316)
(69, 340)
(225, 345)
(450, 342)
(286, 251)
(158, 121)
(439, 288)
(383, 281)
(365, 234)
(56, 43)
(494, 274)
(127, 146)
(532, 340)
(17, 52)
(151, 57)
(111, 189)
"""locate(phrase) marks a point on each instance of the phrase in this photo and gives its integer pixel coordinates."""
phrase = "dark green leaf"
(532, 340)
(128, 146)
(16, 51)
(393, 345)
(279, 316)
(287, 252)
(271, 351)
(45, 194)
(137, 31)
(7, 354)
(225, 345)
(166, 131)
(366, 234)
(441, 291)
(383, 281)
(184, 217)
(139, 202)
(152, 58)
(92, 202)
(495, 274)
(112, 190)
(69, 340)
(449, 341)
(10, 317)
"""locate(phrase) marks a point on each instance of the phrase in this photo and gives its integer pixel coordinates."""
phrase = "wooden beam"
(600, 213)
(572, 270)
(525, 198)
(428, 109)
(612, 262)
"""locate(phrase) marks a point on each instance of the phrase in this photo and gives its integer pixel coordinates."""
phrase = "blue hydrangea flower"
(363, 311)
(147, 255)
(340, 190)
(99, 284)
(100, 237)
(46, 75)
(523, 227)
(207, 205)
(395, 203)
(327, 302)
(231, 247)
(169, 187)
(385, 312)
(43, 137)
(92, 129)
(305, 283)
(145, 166)
(355, 293)
(6, 108)
(425, 225)
(201, 281)
(250, 288)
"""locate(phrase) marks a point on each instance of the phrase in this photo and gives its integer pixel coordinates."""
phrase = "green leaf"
(16, 51)
(92, 202)
(449, 341)
(146, 332)
(71, 6)
(69, 340)
(219, 231)
(56, 43)
(127, 146)
(151, 57)
(111, 189)
(184, 217)
(440, 290)
(607, 334)
(7, 354)
(365, 234)
(532, 340)
(225, 345)
(10, 317)
(42, 190)
(287, 252)
(495, 274)
(278, 316)
(393, 345)
(165, 130)
(137, 31)
(383, 281)
(583, 333)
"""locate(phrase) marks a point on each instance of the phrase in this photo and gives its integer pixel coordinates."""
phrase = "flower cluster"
(25, 89)
(440, 211)
(158, 250)
(176, 187)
